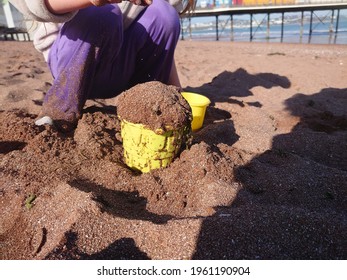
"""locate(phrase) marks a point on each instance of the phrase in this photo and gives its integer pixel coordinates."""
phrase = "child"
(97, 49)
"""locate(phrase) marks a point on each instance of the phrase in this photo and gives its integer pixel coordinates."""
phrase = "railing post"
(268, 27)
(311, 18)
(282, 27)
(190, 28)
(337, 21)
(251, 27)
(231, 28)
(182, 30)
(302, 26)
(331, 28)
(217, 35)
(310, 33)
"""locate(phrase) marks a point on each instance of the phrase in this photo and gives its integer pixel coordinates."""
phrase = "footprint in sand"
(17, 95)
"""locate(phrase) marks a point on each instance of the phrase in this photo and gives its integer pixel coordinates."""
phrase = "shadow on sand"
(292, 204)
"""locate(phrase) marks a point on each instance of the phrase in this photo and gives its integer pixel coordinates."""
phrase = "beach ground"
(265, 178)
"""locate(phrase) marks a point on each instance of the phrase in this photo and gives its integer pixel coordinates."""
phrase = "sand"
(155, 105)
(265, 178)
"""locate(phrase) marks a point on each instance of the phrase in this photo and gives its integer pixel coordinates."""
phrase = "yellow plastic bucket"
(145, 149)
(198, 103)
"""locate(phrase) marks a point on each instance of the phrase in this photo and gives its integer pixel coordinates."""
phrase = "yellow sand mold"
(145, 150)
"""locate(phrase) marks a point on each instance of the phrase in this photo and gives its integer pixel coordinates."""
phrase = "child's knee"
(166, 17)
(95, 23)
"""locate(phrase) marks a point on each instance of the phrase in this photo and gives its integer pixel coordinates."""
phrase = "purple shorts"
(93, 57)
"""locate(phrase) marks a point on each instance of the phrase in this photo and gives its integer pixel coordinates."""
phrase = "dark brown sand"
(155, 105)
(265, 178)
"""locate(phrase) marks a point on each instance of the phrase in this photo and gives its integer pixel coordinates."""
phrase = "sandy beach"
(265, 178)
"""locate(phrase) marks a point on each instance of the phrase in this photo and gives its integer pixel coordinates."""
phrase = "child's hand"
(99, 3)
(140, 2)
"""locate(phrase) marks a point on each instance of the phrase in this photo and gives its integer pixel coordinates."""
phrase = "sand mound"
(155, 105)
(85, 170)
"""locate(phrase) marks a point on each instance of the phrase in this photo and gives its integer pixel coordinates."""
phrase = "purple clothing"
(94, 58)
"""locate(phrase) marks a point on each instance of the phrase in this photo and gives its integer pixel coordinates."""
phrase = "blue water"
(291, 33)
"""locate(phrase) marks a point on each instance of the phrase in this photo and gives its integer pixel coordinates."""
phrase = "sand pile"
(86, 169)
(155, 105)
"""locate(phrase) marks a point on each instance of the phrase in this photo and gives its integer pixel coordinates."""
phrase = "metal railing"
(304, 6)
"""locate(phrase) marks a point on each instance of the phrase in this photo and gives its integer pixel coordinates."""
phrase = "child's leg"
(146, 54)
(157, 32)
(93, 35)
(91, 59)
